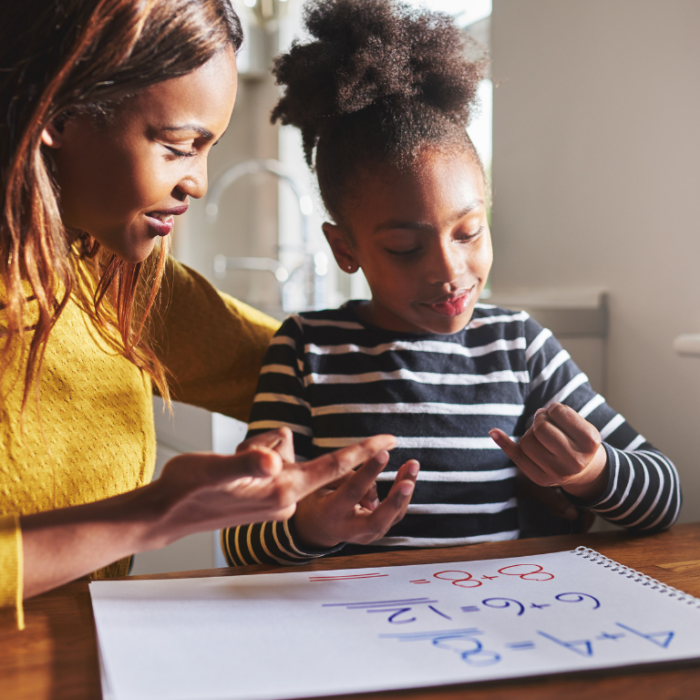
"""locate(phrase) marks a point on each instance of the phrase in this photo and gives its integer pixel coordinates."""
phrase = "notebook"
(299, 634)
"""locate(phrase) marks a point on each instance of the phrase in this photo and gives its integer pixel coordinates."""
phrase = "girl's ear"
(52, 134)
(341, 247)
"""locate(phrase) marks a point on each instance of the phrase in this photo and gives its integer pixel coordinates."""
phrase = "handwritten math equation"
(461, 579)
(468, 643)
(407, 610)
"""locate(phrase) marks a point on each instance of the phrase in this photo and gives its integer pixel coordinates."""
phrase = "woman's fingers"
(323, 470)
(281, 440)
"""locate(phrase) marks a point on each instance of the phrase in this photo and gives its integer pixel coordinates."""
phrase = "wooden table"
(56, 656)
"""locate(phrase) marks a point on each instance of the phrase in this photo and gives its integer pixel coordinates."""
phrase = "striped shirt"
(335, 380)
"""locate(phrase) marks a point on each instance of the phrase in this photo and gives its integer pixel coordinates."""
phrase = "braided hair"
(380, 82)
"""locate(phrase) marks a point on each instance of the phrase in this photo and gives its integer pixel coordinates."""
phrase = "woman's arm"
(196, 492)
(211, 344)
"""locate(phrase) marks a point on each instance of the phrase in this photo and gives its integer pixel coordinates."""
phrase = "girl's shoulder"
(501, 322)
(490, 315)
(330, 326)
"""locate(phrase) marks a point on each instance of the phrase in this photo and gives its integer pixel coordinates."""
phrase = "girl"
(109, 110)
(382, 98)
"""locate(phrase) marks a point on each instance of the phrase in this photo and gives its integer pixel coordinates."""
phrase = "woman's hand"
(560, 449)
(260, 482)
(349, 510)
(196, 492)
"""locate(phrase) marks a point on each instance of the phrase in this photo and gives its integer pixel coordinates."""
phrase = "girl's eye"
(181, 154)
(469, 236)
(403, 253)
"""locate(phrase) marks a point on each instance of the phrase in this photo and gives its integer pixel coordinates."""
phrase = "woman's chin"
(132, 252)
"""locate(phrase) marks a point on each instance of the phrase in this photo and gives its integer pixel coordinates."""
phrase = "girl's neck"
(373, 314)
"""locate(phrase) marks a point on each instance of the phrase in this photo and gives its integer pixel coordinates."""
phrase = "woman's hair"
(60, 58)
(380, 83)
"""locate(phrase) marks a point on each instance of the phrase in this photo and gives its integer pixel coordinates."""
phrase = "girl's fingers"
(584, 436)
(359, 485)
(391, 510)
(405, 485)
(520, 459)
(371, 499)
(551, 498)
(573, 455)
(551, 449)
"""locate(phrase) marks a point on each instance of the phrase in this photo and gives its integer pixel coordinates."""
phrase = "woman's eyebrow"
(392, 224)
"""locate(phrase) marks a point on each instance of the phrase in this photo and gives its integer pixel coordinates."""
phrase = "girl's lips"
(451, 306)
(162, 227)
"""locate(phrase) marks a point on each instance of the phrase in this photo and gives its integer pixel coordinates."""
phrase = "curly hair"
(380, 82)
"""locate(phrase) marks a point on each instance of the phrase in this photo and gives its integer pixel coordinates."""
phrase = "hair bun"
(373, 53)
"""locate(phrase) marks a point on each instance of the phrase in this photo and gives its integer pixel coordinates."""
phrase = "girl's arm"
(196, 492)
(583, 445)
(326, 519)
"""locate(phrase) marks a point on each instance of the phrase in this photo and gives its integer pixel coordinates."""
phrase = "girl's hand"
(349, 511)
(560, 449)
(260, 482)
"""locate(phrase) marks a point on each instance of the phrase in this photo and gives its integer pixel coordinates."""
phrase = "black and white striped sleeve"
(643, 491)
(279, 401)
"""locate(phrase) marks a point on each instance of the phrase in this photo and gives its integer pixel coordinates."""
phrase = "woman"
(109, 109)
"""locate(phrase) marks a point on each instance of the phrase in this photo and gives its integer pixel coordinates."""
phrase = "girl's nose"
(446, 264)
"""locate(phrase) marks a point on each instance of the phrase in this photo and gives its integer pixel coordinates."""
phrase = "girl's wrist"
(593, 489)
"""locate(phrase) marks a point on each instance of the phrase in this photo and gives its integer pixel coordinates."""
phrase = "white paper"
(300, 634)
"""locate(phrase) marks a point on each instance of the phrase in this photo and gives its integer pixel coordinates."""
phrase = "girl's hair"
(380, 82)
(58, 59)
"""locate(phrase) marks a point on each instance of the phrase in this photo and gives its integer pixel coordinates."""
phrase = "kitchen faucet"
(310, 273)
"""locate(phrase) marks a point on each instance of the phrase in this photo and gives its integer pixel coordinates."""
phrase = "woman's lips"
(452, 305)
(162, 221)
(162, 227)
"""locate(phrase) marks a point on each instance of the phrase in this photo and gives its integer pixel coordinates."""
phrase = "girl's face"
(124, 180)
(422, 240)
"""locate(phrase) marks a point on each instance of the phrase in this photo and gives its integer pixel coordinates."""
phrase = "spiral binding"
(636, 576)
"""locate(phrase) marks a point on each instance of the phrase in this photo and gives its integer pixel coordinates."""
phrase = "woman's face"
(422, 239)
(122, 181)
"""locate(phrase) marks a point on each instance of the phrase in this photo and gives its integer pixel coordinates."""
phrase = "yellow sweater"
(97, 414)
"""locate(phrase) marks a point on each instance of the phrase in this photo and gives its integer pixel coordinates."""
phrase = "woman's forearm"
(62, 545)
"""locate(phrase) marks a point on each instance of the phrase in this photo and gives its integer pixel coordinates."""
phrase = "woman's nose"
(195, 183)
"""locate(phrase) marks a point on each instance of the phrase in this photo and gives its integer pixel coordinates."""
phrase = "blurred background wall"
(596, 172)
